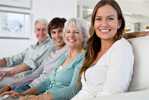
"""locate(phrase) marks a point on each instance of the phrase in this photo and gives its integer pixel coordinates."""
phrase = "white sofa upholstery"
(139, 87)
(141, 66)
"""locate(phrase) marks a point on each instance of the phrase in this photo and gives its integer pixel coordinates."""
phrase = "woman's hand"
(11, 93)
(5, 88)
(45, 96)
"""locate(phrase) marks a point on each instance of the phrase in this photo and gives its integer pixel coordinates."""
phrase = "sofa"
(139, 87)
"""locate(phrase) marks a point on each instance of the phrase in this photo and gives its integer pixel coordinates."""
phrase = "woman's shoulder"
(122, 44)
(122, 47)
(79, 58)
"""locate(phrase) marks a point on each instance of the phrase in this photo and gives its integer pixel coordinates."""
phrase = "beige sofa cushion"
(140, 78)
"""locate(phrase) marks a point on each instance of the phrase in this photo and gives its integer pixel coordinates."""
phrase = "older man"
(29, 59)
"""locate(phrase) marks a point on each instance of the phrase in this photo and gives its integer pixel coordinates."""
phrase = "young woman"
(62, 83)
(108, 65)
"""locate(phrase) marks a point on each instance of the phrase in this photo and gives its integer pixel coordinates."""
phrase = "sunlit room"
(39, 39)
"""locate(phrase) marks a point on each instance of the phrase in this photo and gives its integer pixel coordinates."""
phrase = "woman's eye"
(72, 32)
(76, 32)
(111, 18)
(98, 19)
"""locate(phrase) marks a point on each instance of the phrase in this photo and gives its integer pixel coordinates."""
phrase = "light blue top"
(32, 56)
(63, 83)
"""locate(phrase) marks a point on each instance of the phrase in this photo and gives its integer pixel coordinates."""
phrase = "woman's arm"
(31, 91)
(120, 70)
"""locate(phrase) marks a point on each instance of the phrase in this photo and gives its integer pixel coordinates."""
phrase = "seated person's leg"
(21, 88)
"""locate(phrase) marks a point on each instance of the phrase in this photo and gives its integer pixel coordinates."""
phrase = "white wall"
(53, 8)
(40, 9)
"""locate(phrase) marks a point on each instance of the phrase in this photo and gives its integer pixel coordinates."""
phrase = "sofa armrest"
(138, 95)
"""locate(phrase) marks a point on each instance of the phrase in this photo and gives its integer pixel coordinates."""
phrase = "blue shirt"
(64, 83)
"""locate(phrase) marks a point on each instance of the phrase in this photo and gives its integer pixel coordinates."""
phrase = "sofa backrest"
(140, 78)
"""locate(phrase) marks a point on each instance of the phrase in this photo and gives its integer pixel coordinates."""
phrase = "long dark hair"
(94, 42)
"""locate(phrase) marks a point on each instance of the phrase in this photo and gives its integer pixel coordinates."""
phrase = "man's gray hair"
(41, 20)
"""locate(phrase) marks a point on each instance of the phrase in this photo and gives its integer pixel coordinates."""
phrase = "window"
(15, 19)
